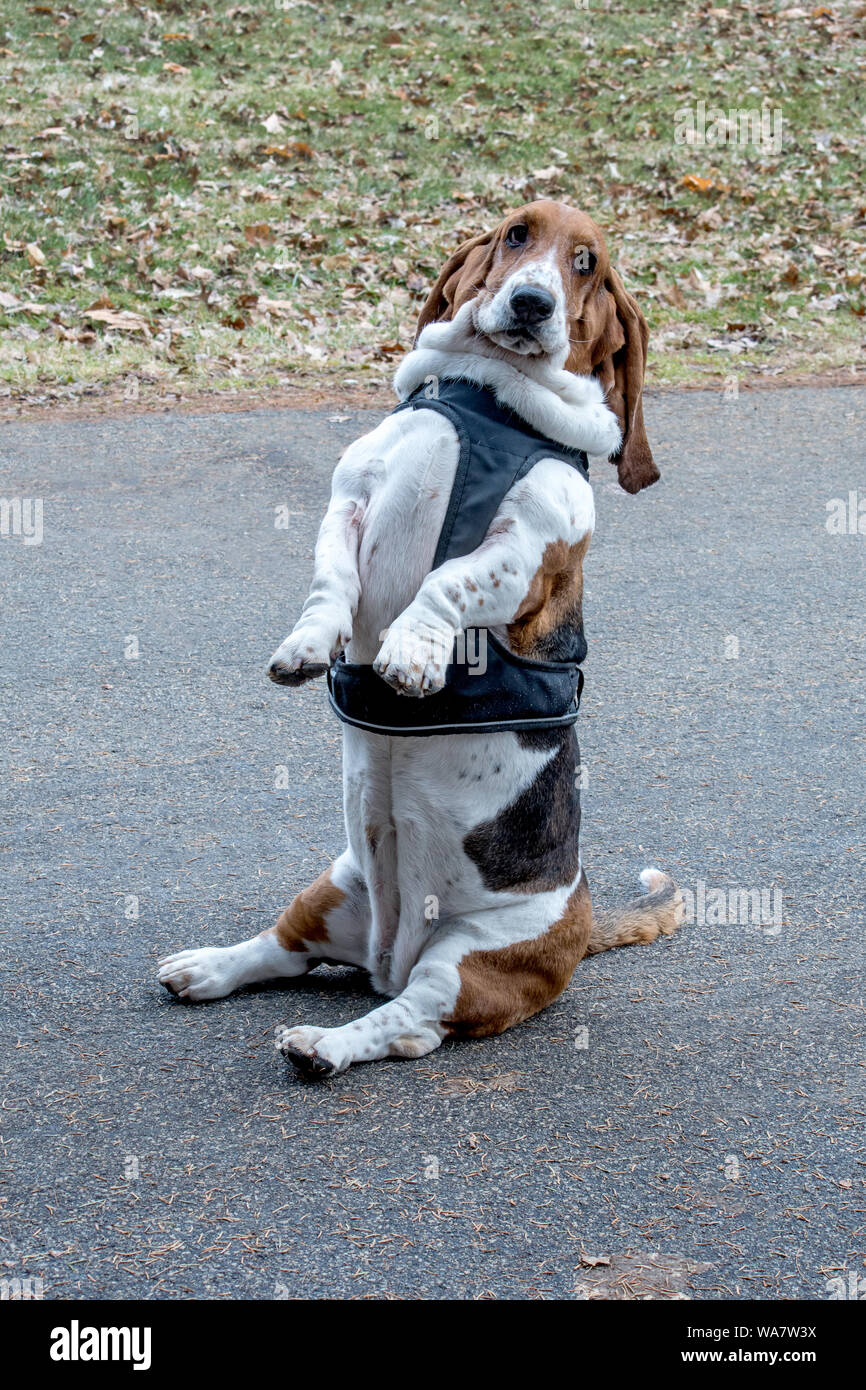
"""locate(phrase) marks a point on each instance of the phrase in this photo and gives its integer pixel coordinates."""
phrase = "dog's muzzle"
(524, 316)
(530, 306)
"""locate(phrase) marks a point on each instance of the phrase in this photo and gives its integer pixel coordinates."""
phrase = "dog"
(462, 890)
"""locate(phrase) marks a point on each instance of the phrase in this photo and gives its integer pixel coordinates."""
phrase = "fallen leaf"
(120, 319)
(698, 183)
(259, 233)
(674, 295)
(296, 149)
(552, 171)
(278, 307)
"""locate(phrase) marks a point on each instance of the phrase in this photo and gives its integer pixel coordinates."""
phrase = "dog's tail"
(658, 912)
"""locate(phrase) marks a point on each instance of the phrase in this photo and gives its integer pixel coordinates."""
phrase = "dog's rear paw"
(308, 1063)
(209, 973)
(299, 1045)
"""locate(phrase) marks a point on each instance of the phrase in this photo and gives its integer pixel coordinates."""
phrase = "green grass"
(139, 172)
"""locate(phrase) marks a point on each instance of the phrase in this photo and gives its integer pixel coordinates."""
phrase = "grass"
(256, 196)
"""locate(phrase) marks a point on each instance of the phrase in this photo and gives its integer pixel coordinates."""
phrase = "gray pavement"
(691, 1112)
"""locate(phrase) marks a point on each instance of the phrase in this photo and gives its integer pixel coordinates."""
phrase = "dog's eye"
(516, 235)
(584, 261)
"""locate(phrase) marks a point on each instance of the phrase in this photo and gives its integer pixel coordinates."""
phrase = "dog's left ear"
(619, 363)
(460, 279)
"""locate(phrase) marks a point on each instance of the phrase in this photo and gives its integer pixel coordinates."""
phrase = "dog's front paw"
(303, 656)
(414, 660)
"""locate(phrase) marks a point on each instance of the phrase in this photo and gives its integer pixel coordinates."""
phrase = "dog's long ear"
(461, 277)
(619, 362)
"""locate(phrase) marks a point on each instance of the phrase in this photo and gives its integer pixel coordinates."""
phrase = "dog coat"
(487, 688)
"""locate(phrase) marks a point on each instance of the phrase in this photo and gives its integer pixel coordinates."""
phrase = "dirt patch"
(636, 1275)
(320, 395)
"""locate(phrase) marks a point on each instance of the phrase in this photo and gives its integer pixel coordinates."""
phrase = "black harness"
(496, 449)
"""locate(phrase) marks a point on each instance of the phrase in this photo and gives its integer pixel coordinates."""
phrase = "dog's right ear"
(460, 279)
(619, 363)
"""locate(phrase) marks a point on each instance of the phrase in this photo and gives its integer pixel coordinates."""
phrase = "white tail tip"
(653, 880)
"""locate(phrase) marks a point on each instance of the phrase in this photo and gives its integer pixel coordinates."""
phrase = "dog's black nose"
(529, 304)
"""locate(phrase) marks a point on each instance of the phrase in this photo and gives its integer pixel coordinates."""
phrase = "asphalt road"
(691, 1112)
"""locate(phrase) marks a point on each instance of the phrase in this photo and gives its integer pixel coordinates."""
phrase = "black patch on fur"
(539, 739)
(532, 845)
(566, 643)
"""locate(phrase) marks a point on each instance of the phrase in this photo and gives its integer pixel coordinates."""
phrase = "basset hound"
(461, 889)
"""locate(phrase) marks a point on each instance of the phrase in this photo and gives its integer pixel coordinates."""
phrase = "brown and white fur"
(461, 889)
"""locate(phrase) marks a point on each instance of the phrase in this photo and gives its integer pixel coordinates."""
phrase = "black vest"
(496, 448)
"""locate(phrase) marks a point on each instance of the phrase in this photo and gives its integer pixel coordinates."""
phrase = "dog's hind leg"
(475, 977)
(329, 920)
(408, 1026)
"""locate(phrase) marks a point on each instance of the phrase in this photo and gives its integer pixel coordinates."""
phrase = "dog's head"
(542, 286)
